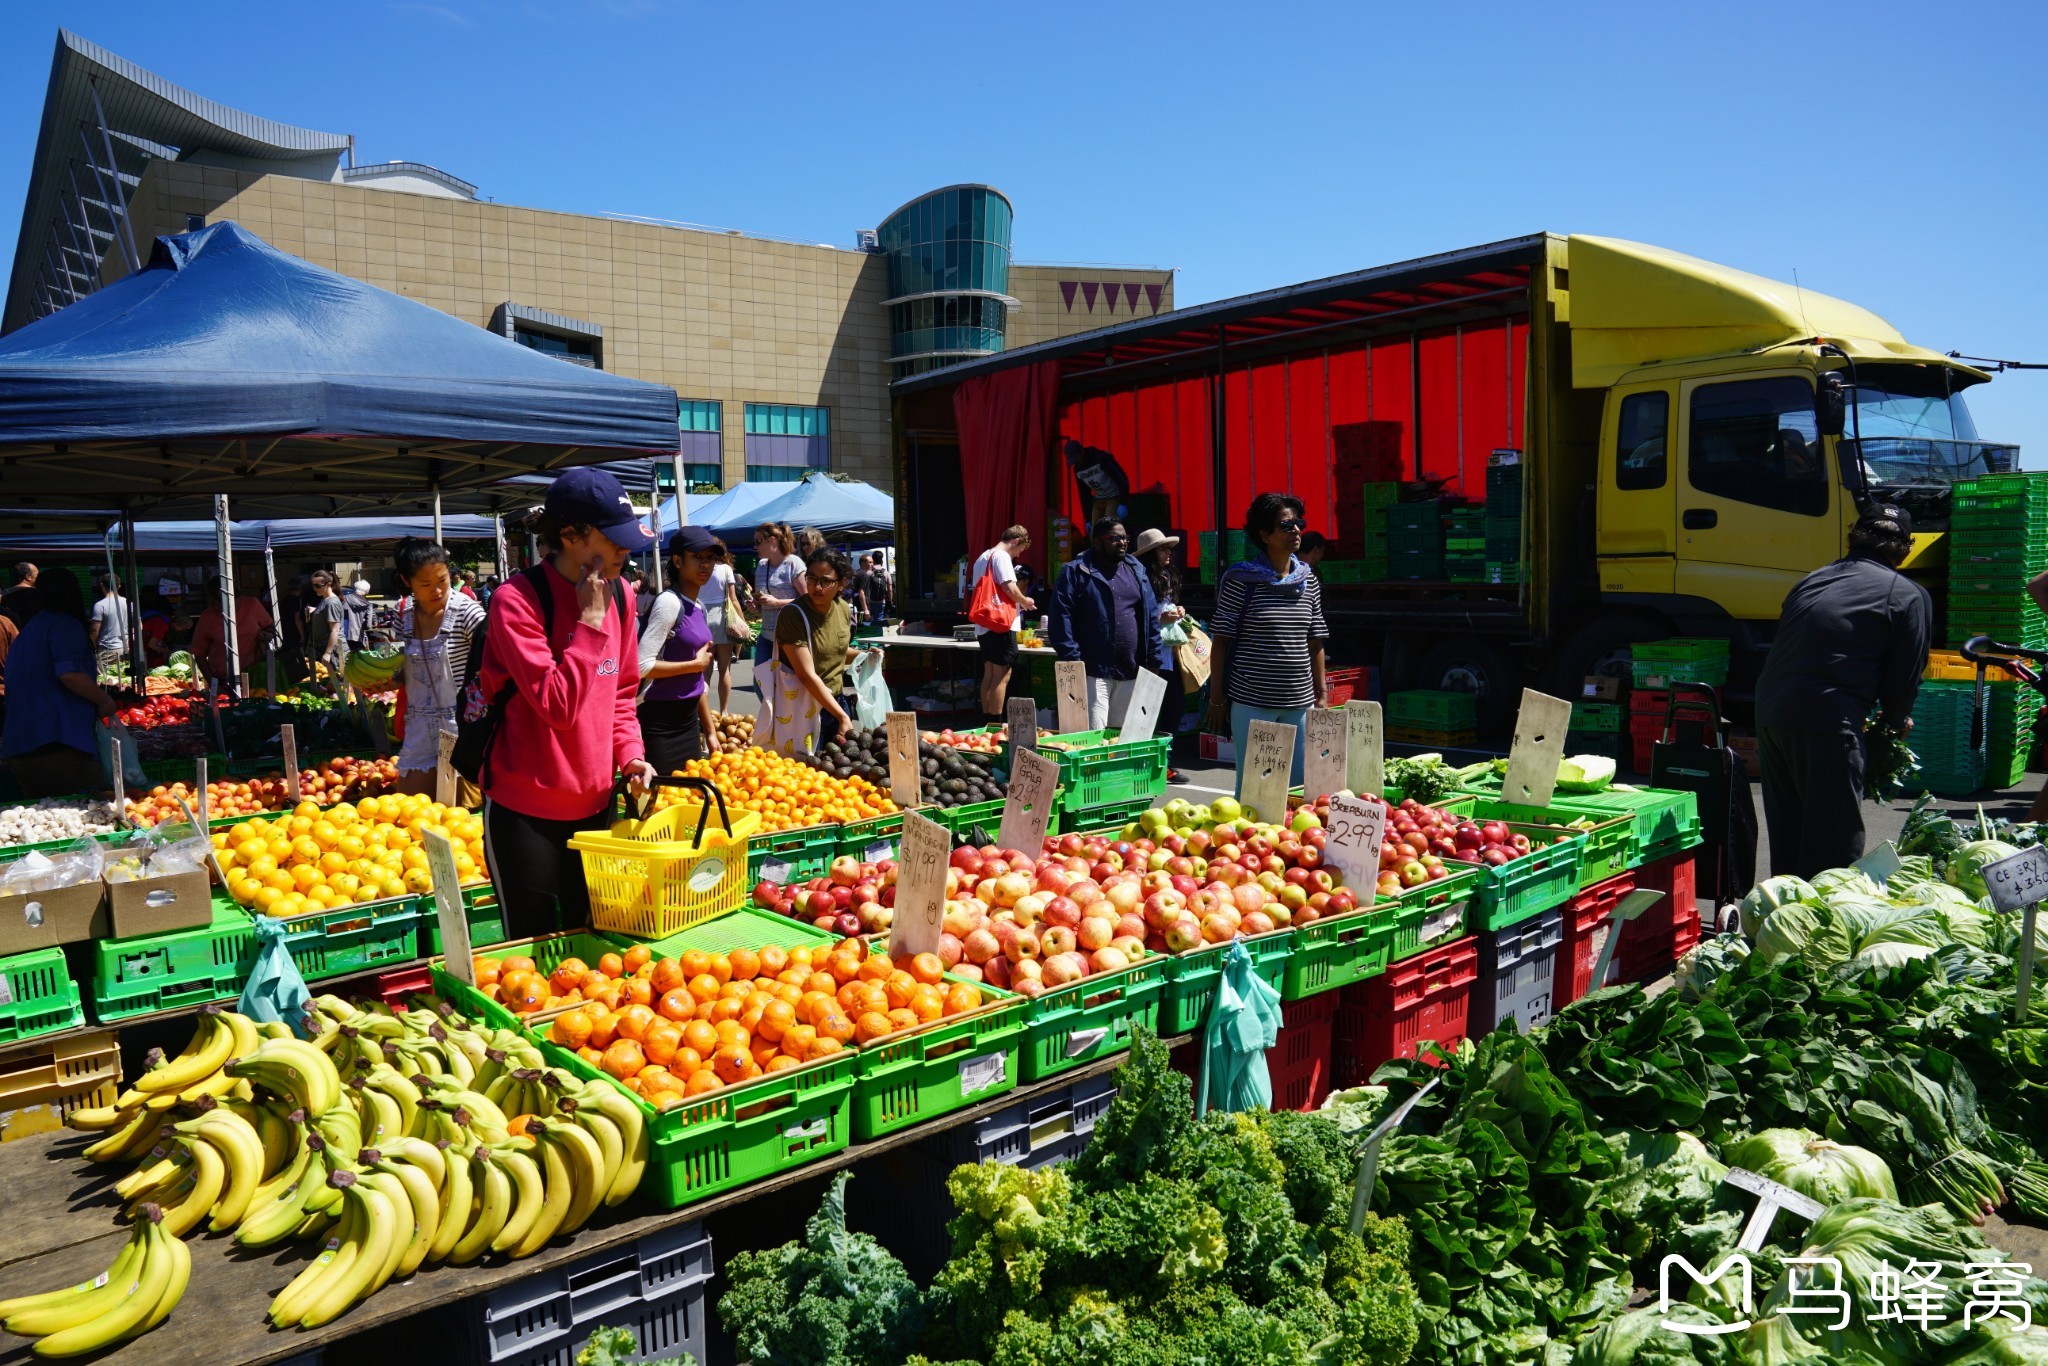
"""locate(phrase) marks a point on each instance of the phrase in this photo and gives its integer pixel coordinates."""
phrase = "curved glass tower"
(949, 277)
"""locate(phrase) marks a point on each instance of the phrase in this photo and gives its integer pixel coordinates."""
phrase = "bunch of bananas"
(132, 1296)
(393, 1138)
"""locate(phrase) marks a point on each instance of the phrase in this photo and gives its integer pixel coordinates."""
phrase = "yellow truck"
(1690, 440)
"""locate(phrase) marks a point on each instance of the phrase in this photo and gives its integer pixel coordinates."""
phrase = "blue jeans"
(1241, 718)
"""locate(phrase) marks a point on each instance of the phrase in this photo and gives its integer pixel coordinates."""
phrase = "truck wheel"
(1474, 666)
(1601, 648)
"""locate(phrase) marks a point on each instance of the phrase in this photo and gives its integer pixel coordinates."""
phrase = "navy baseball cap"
(686, 539)
(590, 497)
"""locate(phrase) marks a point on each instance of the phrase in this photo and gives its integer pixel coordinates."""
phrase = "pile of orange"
(318, 858)
(788, 795)
(675, 1028)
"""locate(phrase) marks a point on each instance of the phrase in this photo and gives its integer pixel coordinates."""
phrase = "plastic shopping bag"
(790, 716)
(1173, 635)
(1243, 1024)
(131, 755)
(275, 990)
(871, 703)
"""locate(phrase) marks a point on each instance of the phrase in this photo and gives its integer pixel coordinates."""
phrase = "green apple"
(1155, 820)
(1224, 810)
(1305, 820)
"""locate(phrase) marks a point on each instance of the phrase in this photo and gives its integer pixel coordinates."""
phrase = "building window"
(701, 415)
(569, 339)
(576, 350)
(786, 441)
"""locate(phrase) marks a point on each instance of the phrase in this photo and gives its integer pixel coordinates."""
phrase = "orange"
(686, 1061)
(962, 997)
(824, 1046)
(662, 1039)
(875, 969)
(875, 997)
(633, 1022)
(704, 987)
(729, 1008)
(701, 1081)
(529, 996)
(899, 986)
(668, 974)
(603, 1030)
(745, 963)
(782, 1061)
(794, 976)
(732, 1032)
(800, 956)
(927, 968)
(927, 1003)
(737, 991)
(850, 996)
(487, 970)
(624, 1059)
(730, 1064)
(903, 1018)
(761, 1050)
(515, 1126)
(694, 962)
(593, 1056)
(721, 967)
(700, 1035)
(677, 1005)
(871, 1026)
(777, 1018)
(844, 967)
(854, 947)
(836, 1026)
(774, 960)
(565, 979)
(822, 982)
(639, 991)
(592, 980)
(636, 957)
(571, 1030)
(520, 963)
(611, 965)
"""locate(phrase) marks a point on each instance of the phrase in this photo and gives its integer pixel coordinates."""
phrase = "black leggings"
(538, 878)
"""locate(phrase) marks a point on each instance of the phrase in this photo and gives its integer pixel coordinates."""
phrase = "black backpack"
(479, 718)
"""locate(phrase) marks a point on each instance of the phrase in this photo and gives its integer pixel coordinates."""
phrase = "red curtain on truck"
(1006, 422)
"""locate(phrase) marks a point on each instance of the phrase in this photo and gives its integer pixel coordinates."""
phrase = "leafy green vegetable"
(1814, 1166)
(834, 1299)
(1891, 768)
(1424, 777)
(1585, 773)
(1641, 1339)
(1966, 865)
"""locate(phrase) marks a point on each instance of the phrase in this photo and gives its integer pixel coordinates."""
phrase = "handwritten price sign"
(2019, 883)
(920, 886)
(1357, 831)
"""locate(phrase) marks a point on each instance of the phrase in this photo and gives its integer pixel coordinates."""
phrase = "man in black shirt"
(1852, 636)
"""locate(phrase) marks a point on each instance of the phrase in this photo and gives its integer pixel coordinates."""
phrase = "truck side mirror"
(1830, 404)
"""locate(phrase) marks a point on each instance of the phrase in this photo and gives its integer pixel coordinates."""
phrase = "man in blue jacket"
(1105, 614)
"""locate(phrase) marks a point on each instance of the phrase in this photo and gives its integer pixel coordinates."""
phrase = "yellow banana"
(560, 1197)
(101, 1117)
(632, 1123)
(34, 1316)
(274, 1029)
(242, 1154)
(174, 1289)
(335, 1259)
(457, 1197)
(274, 1217)
(246, 1036)
(110, 1148)
(493, 1187)
(430, 1158)
(131, 1313)
(611, 1143)
(397, 1228)
(203, 1057)
(295, 1069)
(209, 1177)
(425, 1200)
(585, 1163)
(149, 1177)
(529, 1193)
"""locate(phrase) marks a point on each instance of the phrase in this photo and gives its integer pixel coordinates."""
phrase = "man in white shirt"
(111, 617)
(999, 648)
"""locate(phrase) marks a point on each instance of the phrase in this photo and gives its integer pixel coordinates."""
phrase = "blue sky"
(1889, 153)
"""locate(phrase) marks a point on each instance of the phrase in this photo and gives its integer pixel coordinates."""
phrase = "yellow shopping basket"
(650, 880)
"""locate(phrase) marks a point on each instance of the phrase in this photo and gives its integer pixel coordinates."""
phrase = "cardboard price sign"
(1028, 807)
(906, 778)
(289, 735)
(1141, 708)
(1070, 685)
(448, 906)
(1538, 749)
(1266, 769)
(1357, 830)
(1327, 762)
(920, 886)
(1021, 715)
(1770, 1198)
(2019, 883)
(1365, 748)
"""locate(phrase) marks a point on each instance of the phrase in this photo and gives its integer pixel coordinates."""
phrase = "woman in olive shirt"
(815, 633)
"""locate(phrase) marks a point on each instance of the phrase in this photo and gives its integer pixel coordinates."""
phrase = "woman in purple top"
(675, 709)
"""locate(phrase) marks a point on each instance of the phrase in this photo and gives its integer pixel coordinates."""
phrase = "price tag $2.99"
(1356, 830)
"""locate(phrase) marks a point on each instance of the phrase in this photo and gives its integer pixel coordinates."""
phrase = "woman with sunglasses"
(1266, 659)
(815, 637)
(675, 650)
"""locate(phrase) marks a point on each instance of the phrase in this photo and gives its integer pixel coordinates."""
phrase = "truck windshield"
(1916, 432)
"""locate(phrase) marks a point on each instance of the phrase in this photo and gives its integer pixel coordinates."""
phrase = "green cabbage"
(1815, 1167)
(1585, 773)
(1640, 1338)
(1883, 958)
(1966, 865)
(2005, 1343)
(1913, 869)
(1835, 880)
(1712, 959)
(1787, 931)
(1769, 895)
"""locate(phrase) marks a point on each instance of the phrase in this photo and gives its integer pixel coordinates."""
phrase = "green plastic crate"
(1531, 884)
(1423, 516)
(1610, 844)
(1415, 564)
(41, 997)
(872, 840)
(1432, 710)
(1596, 716)
(1381, 494)
(959, 819)
(1075, 1024)
(1113, 816)
(479, 906)
(1666, 821)
(919, 1074)
(185, 768)
(1194, 978)
(1097, 769)
(1428, 916)
(1503, 573)
(1337, 950)
(713, 1143)
(798, 855)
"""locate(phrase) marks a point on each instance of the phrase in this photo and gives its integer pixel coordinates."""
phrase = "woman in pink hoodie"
(569, 727)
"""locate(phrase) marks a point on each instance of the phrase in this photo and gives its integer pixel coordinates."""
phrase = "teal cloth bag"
(275, 990)
(1244, 1023)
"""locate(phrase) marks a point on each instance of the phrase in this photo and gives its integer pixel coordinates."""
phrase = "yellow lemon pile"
(319, 858)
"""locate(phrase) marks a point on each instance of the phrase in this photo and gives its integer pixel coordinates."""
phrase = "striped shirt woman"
(1269, 631)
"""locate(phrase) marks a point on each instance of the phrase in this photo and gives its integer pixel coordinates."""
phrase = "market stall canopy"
(835, 508)
(200, 538)
(228, 366)
(728, 509)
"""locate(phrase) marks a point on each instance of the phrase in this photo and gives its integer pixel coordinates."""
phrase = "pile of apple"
(981, 742)
(1425, 844)
(853, 898)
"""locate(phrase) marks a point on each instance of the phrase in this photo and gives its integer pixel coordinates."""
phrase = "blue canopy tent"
(837, 509)
(202, 538)
(227, 367)
(729, 509)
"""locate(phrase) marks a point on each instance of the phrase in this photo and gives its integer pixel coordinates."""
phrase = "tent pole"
(224, 552)
(532, 548)
(135, 591)
(437, 513)
(654, 497)
(682, 491)
(276, 612)
(498, 532)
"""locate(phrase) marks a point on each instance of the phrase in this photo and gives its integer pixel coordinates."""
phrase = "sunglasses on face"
(1290, 524)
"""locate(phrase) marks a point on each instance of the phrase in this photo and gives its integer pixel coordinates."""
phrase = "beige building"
(781, 353)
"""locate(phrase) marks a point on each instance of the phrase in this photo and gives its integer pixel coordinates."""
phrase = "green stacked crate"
(1425, 709)
(1415, 563)
(2009, 729)
(1503, 573)
(1596, 716)
(1373, 566)
(1345, 571)
(1998, 533)
(1424, 517)
(1657, 664)
(1950, 747)
(1219, 550)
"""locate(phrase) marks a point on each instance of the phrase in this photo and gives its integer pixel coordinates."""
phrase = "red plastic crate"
(393, 988)
(1585, 918)
(1346, 685)
(1656, 939)
(1644, 731)
(1299, 1063)
(1427, 997)
(1646, 701)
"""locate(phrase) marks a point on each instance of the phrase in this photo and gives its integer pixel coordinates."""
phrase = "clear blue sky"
(1890, 153)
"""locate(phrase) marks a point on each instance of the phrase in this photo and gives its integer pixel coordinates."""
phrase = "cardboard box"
(43, 920)
(1600, 688)
(158, 905)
